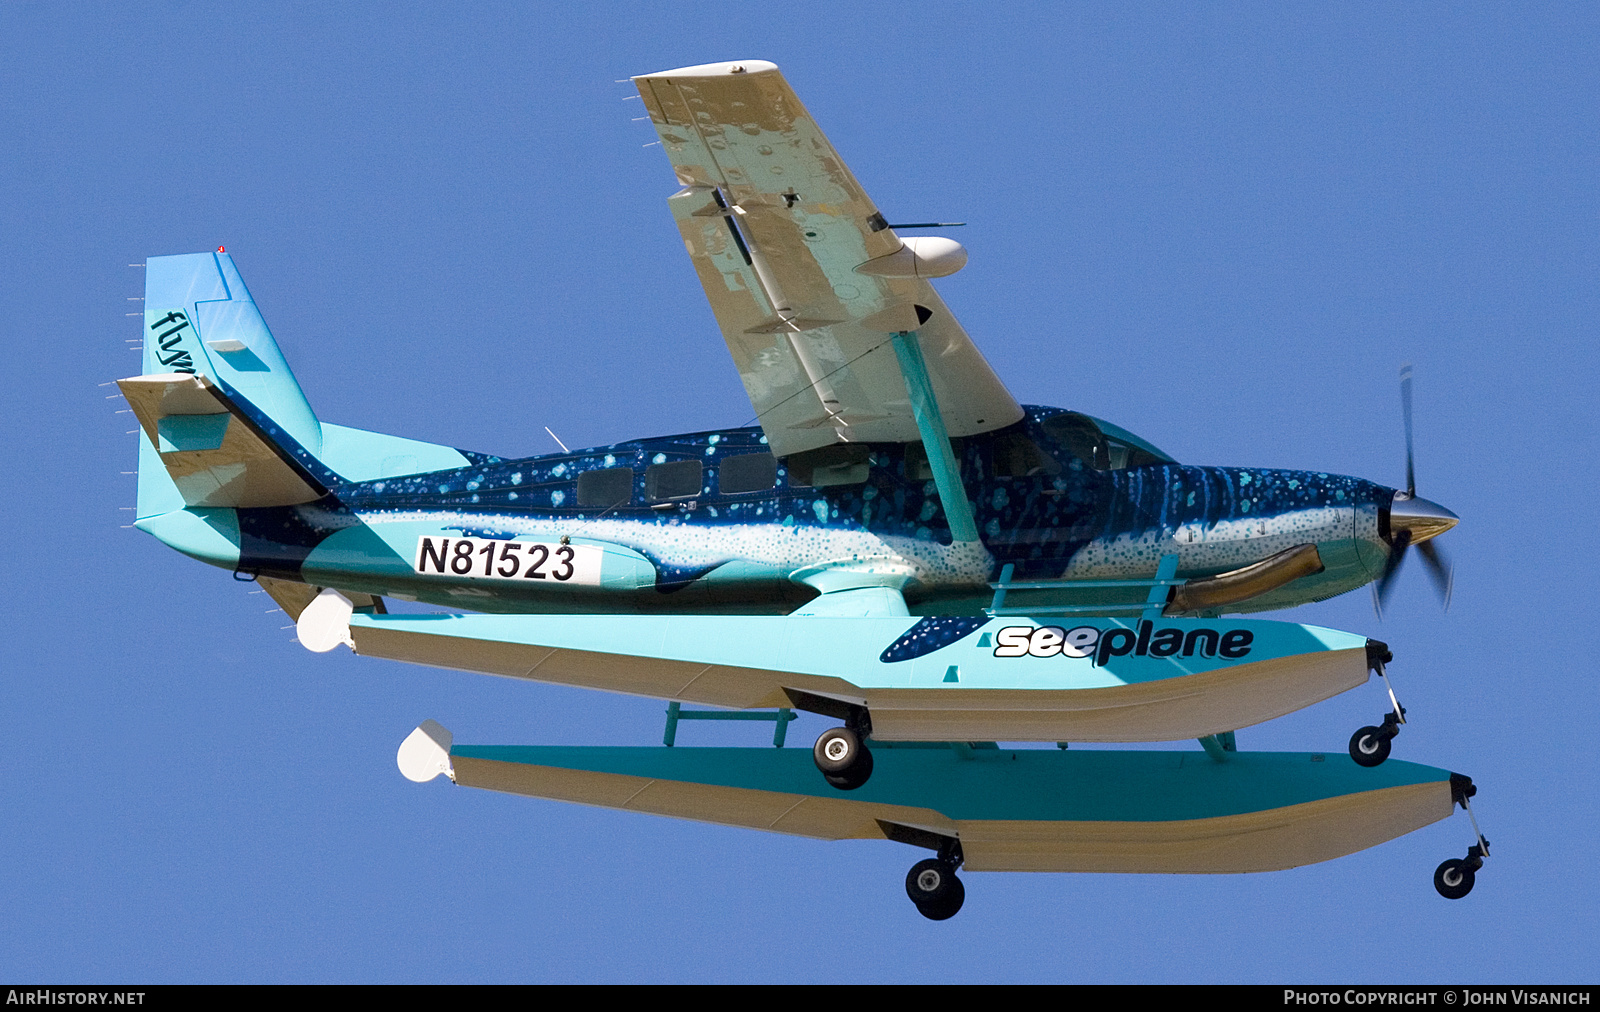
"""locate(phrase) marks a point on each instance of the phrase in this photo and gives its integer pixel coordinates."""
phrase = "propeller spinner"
(1413, 521)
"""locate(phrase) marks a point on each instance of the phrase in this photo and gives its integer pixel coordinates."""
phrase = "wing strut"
(935, 439)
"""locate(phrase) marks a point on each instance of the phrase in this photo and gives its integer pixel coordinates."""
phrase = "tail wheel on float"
(934, 888)
(843, 758)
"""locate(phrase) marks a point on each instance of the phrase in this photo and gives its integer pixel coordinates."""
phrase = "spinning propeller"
(1411, 521)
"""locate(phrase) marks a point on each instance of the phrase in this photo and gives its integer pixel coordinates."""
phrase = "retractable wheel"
(843, 758)
(1369, 746)
(929, 881)
(934, 888)
(1454, 878)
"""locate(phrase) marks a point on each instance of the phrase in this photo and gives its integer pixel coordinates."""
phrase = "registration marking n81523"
(487, 559)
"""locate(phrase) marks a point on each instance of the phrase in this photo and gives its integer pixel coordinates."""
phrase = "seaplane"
(897, 544)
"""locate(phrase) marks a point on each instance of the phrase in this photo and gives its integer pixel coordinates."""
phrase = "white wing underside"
(810, 334)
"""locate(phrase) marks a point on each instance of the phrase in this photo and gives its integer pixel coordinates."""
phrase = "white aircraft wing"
(806, 279)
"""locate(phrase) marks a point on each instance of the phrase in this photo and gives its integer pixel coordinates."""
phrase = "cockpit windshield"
(1101, 445)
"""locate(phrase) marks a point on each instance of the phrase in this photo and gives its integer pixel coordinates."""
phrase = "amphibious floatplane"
(899, 544)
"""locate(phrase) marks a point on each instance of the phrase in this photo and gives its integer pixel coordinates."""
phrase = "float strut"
(1398, 716)
(1462, 789)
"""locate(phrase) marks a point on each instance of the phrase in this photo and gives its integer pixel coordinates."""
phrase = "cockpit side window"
(1082, 437)
(1017, 456)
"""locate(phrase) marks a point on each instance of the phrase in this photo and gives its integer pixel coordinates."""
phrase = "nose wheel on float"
(1369, 746)
(1454, 878)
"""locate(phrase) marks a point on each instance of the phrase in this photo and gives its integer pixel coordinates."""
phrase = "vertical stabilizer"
(199, 318)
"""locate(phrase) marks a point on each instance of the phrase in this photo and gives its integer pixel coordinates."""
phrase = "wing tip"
(715, 69)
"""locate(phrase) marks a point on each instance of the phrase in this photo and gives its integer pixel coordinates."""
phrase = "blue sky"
(1223, 227)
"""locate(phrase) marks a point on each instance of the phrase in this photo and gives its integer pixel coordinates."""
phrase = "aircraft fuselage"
(710, 522)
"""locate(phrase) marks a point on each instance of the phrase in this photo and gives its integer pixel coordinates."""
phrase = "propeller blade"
(1405, 410)
(1408, 515)
(1440, 569)
(1391, 569)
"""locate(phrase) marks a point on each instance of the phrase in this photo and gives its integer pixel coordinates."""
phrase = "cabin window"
(1017, 456)
(748, 472)
(1081, 437)
(840, 464)
(677, 480)
(917, 466)
(609, 487)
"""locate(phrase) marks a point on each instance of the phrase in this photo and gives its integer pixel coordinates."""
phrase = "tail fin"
(227, 424)
(199, 319)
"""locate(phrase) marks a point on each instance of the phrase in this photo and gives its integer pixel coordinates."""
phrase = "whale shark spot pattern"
(929, 635)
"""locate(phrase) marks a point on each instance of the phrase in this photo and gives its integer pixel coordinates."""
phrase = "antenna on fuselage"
(558, 440)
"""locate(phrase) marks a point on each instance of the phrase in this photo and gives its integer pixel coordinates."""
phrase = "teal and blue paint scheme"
(901, 546)
(1040, 500)
(742, 550)
(832, 571)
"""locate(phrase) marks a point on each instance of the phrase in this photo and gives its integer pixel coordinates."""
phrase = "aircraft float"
(898, 544)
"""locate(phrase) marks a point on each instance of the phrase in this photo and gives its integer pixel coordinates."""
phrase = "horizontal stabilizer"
(215, 454)
(1013, 810)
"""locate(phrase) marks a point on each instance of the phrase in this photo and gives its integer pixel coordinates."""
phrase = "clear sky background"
(1221, 226)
